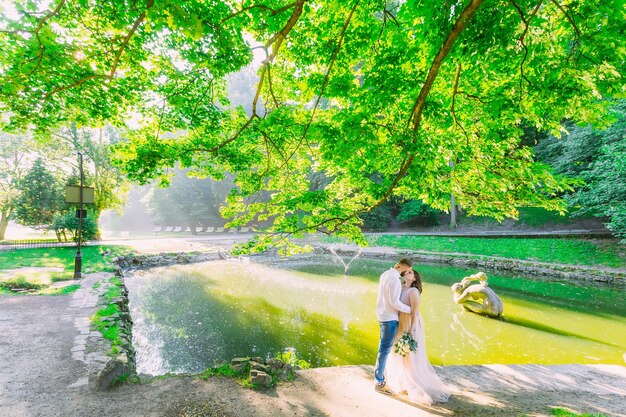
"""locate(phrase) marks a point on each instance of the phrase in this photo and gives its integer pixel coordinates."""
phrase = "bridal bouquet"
(405, 344)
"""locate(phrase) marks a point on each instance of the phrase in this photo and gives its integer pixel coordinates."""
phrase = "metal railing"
(7, 245)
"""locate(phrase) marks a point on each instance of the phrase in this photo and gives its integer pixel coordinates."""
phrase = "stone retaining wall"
(130, 262)
(123, 364)
(573, 272)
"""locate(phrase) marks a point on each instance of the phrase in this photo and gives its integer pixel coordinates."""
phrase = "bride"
(413, 373)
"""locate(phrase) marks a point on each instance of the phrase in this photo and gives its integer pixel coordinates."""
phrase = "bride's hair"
(418, 281)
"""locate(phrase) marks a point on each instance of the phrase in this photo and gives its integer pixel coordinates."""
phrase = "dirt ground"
(44, 371)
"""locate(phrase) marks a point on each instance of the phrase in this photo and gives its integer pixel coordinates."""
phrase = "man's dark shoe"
(382, 388)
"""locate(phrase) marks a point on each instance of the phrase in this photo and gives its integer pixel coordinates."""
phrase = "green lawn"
(63, 257)
(601, 252)
(92, 261)
(528, 216)
(562, 412)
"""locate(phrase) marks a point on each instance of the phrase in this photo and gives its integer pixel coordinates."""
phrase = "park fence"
(8, 245)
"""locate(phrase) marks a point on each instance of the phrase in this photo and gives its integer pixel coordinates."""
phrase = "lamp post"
(78, 260)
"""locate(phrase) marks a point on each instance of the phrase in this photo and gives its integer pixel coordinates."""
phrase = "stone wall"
(571, 272)
(122, 364)
(124, 263)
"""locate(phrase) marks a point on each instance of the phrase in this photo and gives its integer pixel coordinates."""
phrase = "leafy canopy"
(599, 159)
(417, 98)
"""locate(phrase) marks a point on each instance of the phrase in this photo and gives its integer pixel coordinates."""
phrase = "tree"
(110, 186)
(377, 96)
(598, 158)
(189, 202)
(14, 161)
(605, 192)
(41, 196)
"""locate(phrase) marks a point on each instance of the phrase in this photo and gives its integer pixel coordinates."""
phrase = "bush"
(377, 220)
(420, 212)
(66, 224)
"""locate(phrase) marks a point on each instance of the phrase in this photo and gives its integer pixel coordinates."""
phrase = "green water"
(190, 317)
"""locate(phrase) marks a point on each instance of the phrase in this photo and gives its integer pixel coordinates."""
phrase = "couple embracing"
(402, 370)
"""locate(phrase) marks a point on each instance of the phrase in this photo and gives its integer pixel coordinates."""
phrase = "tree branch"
(569, 18)
(459, 25)
(454, 93)
(74, 84)
(273, 12)
(333, 59)
(128, 36)
(475, 97)
(526, 23)
(115, 60)
(279, 37)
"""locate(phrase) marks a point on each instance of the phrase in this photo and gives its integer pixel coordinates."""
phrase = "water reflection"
(193, 316)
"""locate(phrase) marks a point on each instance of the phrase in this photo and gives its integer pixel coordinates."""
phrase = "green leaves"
(329, 130)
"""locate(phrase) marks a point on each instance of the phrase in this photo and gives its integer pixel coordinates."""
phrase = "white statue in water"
(478, 298)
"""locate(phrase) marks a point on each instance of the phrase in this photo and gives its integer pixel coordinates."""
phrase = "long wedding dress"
(413, 373)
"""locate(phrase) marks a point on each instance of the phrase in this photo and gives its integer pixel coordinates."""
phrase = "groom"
(387, 306)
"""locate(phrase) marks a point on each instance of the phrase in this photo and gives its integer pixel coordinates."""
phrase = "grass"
(59, 291)
(226, 370)
(114, 290)
(537, 217)
(106, 319)
(561, 412)
(528, 216)
(243, 376)
(197, 408)
(21, 283)
(223, 370)
(604, 252)
(63, 257)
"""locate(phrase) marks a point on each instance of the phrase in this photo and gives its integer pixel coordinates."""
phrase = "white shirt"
(388, 303)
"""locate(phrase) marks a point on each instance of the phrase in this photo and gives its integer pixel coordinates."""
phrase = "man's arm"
(394, 292)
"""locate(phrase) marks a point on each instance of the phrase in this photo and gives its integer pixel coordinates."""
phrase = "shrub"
(377, 220)
(66, 224)
(419, 211)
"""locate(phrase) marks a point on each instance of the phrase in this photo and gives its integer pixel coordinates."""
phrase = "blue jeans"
(387, 335)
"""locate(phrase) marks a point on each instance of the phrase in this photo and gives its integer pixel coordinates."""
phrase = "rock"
(240, 364)
(260, 378)
(275, 364)
(283, 374)
(240, 367)
(237, 361)
(259, 366)
(111, 373)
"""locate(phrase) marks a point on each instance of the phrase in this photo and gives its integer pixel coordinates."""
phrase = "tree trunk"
(453, 223)
(4, 222)
(96, 219)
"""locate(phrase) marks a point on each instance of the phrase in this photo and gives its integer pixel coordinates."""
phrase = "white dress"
(413, 373)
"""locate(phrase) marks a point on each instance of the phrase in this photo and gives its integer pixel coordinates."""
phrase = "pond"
(189, 317)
